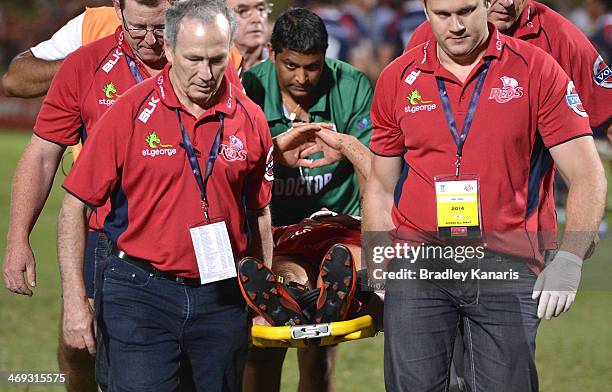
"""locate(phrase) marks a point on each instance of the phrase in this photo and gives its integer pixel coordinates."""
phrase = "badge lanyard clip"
(469, 118)
(195, 165)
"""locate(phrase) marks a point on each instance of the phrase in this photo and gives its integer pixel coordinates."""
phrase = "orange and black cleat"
(266, 296)
(336, 280)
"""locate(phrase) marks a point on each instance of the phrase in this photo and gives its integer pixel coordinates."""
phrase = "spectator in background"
(398, 32)
(600, 12)
(343, 31)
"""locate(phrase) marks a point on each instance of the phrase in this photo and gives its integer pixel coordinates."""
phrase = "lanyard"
(134, 69)
(193, 161)
(469, 117)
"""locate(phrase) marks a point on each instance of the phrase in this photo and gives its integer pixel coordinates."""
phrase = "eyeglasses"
(262, 9)
(140, 33)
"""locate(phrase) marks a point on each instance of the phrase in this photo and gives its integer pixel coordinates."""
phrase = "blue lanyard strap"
(134, 69)
(469, 118)
(193, 161)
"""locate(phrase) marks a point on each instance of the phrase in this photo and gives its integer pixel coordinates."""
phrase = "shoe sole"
(265, 296)
(337, 278)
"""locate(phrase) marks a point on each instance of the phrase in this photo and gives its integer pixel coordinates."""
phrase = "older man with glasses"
(86, 85)
(253, 31)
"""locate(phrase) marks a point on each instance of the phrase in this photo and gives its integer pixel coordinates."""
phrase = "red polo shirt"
(139, 162)
(525, 94)
(551, 32)
(89, 81)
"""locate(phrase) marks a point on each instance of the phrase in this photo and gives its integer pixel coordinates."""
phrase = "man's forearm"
(359, 156)
(71, 238)
(262, 242)
(585, 206)
(31, 186)
(29, 77)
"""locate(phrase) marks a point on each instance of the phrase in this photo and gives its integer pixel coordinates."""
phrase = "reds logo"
(235, 151)
(510, 90)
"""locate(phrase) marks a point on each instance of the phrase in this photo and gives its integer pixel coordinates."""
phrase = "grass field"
(574, 352)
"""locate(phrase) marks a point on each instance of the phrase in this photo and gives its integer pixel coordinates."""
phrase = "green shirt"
(343, 97)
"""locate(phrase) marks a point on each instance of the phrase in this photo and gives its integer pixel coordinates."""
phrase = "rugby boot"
(306, 298)
(336, 283)
(266, 296)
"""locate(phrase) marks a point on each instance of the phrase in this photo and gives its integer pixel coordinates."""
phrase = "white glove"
(557, 285)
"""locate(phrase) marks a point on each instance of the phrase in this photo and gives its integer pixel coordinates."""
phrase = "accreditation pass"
(213, 252)
(457, 202)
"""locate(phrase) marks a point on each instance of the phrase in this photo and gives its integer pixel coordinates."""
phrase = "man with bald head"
(176, 226)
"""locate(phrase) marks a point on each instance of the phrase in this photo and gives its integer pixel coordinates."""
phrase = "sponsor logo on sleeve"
(573, 100)
(156, 147)
(235, 151)
(148, 111)
(508, 92)
(602, 74)
(364, 123)
(269, 174)
(418, 104)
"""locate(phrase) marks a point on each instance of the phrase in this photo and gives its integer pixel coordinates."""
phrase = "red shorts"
(312, 238)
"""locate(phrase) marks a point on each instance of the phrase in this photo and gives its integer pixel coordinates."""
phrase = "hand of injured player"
(289, 145)
(557, 285)
(329, 142)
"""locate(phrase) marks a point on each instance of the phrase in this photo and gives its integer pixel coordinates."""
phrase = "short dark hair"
(148, 3)
(300, 30)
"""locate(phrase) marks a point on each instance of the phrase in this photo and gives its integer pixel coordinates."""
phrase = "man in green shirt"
(296, 86)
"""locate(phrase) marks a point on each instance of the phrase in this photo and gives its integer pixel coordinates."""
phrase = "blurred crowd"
(366, 33)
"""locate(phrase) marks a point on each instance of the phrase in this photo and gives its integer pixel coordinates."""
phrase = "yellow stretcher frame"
(303, 335)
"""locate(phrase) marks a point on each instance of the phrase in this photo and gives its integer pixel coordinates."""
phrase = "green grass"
(573, 354)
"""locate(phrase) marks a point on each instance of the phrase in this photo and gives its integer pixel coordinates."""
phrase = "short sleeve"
(387, 138)
(59, 120)
(98, 169)
(360, 124)
(259, 181)
(65, 41)
(592, 78)
(560, 114)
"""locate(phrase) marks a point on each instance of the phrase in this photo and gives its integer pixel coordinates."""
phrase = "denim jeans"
(96, 252)
(101, 252)
(496, 318)
(153, 324)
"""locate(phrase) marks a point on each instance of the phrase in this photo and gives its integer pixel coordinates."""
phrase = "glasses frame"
(249, 11)
(152, 29)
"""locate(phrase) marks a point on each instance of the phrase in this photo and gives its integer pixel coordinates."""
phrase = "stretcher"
(314, 334)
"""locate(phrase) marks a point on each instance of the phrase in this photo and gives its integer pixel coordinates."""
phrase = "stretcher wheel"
(314, 334)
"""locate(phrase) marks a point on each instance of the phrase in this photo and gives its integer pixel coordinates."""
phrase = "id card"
(458, 206)
(213, 252)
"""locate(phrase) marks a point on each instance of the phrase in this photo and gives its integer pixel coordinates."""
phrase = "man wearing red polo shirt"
(88, 83)
(455, 125)
(537, 24)
(186, 161)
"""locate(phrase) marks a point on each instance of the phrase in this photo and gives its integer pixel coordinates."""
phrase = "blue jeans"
(101, 252)
(153, 323)
(496, 318)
